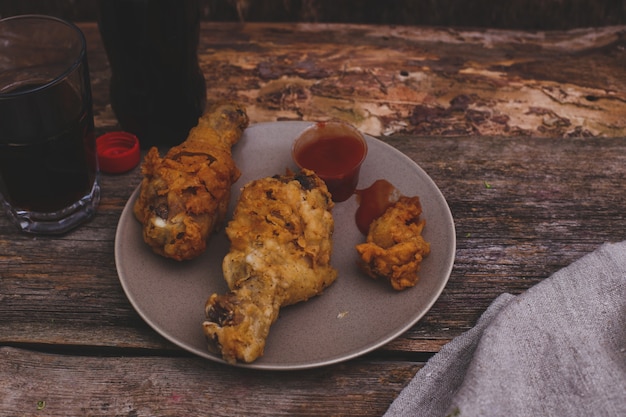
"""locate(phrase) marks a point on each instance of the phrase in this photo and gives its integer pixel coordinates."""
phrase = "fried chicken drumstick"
(280, 255)
(184, 195)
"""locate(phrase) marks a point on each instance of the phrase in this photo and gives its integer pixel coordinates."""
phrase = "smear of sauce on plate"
(373, 201)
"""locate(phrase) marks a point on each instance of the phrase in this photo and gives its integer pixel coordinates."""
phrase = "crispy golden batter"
(280, 254)
(394, 248)
(184, 195)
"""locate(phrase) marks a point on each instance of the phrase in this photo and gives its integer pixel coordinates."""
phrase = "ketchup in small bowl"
(335, 152)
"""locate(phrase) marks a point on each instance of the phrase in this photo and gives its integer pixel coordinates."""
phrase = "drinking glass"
(48, 164)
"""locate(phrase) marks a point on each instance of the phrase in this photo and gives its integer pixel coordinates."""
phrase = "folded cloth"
(558, 349)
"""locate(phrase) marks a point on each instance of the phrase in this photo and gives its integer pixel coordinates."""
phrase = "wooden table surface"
(522, 132)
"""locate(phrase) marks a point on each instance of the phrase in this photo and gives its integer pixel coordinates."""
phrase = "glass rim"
(75, 64)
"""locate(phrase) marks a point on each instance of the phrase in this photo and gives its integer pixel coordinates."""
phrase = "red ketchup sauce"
(335, 153)
(373, 201)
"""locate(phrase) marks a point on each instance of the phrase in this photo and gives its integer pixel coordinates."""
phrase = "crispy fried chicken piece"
(280, 253)
(184, 195)
(394, 247)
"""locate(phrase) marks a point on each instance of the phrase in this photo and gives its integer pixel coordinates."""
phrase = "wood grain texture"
(523, 208)
(155, 386)
(410, 80)
(533, 184)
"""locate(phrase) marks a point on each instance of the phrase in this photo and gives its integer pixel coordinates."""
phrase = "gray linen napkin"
(558, 349)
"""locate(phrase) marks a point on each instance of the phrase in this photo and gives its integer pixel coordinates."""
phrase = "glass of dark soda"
(48, 163)
(157, 88)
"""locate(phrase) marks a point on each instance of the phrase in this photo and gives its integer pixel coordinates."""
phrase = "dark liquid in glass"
(48, 164)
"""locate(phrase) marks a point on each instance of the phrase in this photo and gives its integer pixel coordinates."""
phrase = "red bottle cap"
(118, 152)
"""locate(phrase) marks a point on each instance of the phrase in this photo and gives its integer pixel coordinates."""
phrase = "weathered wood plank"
(526, 147)
(411, 80)
(426, 81)
(523, 208)
(33, 383)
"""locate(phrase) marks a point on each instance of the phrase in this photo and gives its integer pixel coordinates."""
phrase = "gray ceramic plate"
(354, 316)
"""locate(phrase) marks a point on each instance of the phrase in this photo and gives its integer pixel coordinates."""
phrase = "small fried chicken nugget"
(394, 247)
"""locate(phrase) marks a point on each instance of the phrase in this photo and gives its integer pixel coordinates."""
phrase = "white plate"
(353, 316)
